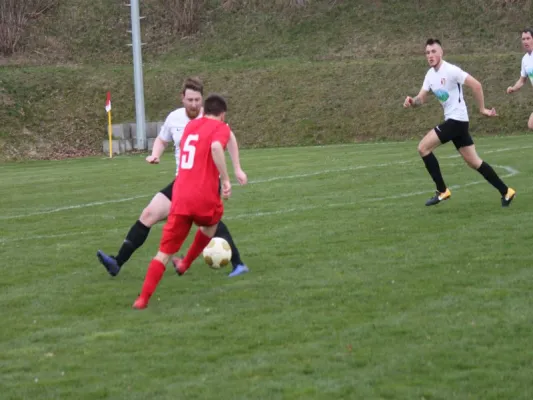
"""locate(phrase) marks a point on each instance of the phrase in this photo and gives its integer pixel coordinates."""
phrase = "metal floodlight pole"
(138, 75)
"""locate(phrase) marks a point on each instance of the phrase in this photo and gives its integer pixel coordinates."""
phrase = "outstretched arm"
(416, 101)
(233, 149)
(217, 151)
(516, 87)
(157, 151)
(161, 142)
(477, 89)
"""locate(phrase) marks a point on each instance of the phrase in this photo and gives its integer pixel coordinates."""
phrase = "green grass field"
(356, 290)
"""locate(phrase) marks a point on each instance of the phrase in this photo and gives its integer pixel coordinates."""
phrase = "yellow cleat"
(439, 197)
(509, 196)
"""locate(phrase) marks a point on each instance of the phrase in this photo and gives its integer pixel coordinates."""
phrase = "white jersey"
(172, 130)
(447, 85)
(527, 67)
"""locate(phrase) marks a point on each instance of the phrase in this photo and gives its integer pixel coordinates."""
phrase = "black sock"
(490, 175)
(223, 232)
(134, 239)
(432, 165)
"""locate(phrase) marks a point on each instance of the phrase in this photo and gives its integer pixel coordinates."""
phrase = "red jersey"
(196, 189)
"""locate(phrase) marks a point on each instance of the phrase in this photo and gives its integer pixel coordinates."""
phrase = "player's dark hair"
(194, 84)
(528, 30)
(215, 105)
(432, 41)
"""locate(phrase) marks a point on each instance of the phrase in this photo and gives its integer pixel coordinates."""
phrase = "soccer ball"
(217, 253)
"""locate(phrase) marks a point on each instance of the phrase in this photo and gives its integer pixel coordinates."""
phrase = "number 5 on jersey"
(189, 149)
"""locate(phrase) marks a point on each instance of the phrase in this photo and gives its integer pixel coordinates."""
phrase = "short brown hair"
(193, 83)
(215, 105)
(432, 41)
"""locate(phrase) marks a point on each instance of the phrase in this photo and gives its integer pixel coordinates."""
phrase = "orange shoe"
(509, 196)
(439, 197)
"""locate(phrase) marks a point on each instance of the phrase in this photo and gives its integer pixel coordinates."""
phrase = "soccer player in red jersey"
(195, 195)
(159, 207)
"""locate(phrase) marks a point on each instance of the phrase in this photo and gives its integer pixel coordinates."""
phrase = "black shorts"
(167, 191)
(455, 131)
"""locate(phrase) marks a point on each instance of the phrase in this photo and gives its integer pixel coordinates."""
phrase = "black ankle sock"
(432, 165)
(134, 239)
(223, 232)
(492, 177)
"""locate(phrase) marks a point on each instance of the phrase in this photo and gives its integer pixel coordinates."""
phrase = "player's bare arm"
(516, 87)
(157, 151)
(233, 149)
(416, 101)
(477, 89)
(217, 151)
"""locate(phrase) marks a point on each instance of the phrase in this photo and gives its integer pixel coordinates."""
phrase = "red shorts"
(178, 226)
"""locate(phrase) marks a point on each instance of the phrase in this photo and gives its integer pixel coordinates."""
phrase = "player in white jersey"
(446, 82)
(159, 206)
(171, 131)
(527, 67)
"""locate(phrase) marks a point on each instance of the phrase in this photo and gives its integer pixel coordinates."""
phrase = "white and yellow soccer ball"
(217, 253)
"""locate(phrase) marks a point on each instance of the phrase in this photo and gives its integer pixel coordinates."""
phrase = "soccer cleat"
(509, 196)
(439, 197)
(239, 270)
(140, 304)
(108, 262)
(177, 262)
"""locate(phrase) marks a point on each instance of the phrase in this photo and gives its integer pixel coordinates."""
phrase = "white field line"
(495, 151)
(72, 207)
(510, 172)
(252, 182)
(327, 171)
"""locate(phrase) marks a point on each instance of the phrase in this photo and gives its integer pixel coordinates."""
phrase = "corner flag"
(109, 127)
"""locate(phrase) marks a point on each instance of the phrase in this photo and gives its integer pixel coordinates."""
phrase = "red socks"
(155, 272)
(156, 269)
(198, 245)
